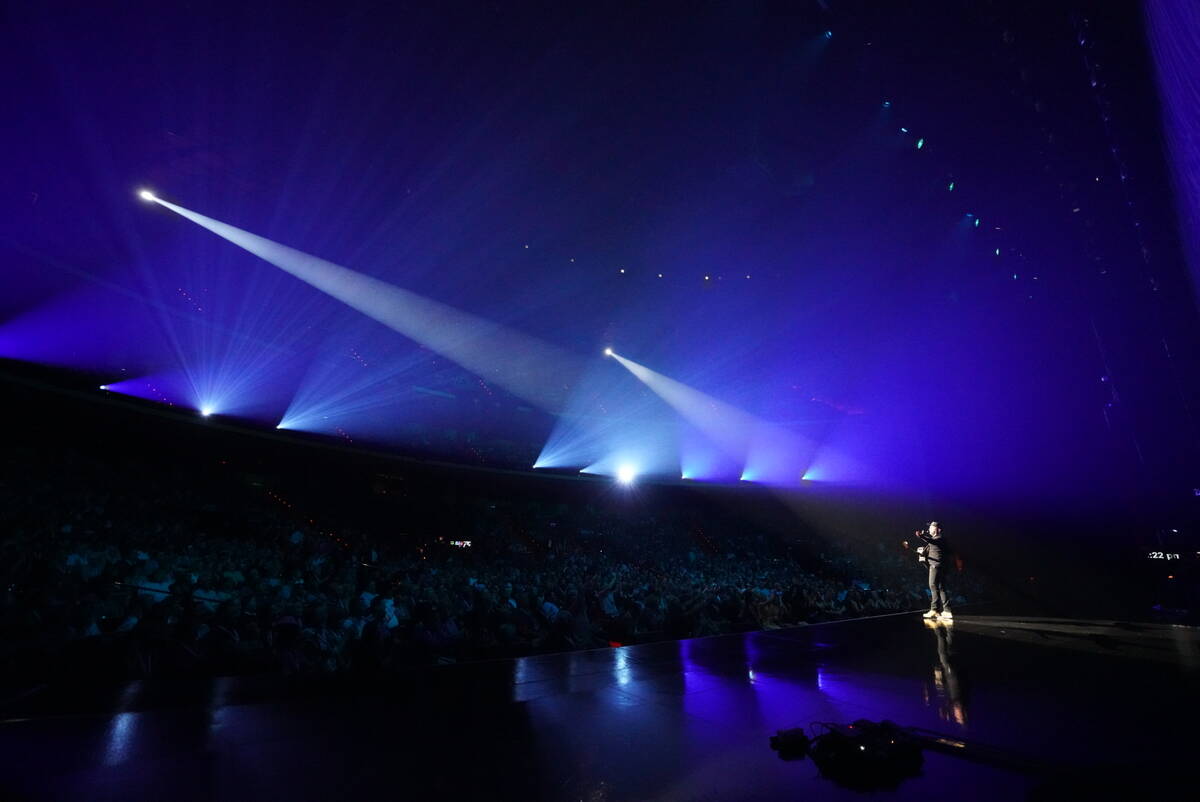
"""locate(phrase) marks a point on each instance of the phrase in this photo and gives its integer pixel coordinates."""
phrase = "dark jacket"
(935, 548)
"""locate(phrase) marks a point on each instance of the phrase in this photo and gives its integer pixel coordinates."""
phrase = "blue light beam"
(769, 452)
(524, 366)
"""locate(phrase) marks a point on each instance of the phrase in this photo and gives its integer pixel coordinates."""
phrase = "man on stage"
(936, 552)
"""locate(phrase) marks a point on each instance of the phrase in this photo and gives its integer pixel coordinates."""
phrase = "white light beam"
(525, 366)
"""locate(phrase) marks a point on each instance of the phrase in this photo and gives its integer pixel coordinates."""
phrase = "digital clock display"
(1164, 555)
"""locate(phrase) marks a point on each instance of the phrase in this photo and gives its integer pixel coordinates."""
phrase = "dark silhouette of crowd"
(115, 568)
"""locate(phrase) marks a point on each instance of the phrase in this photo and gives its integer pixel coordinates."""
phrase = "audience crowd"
(119, 569)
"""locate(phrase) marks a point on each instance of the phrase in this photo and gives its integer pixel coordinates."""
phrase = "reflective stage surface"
(1025, 707)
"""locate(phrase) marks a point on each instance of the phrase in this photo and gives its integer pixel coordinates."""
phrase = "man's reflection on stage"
(948, 688)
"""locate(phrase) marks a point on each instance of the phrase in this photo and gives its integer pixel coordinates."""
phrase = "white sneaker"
(947, 615)
(930, 614)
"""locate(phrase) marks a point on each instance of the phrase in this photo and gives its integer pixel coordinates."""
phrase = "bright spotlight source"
(104, 387)
(608, 352)
(626, 474)
(146, 195)
(206, 411)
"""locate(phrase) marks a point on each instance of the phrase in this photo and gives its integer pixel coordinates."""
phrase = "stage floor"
(687, 720)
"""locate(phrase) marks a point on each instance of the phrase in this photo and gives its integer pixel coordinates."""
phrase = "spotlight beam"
(525, 366)
(727, 426)
(739, 434)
